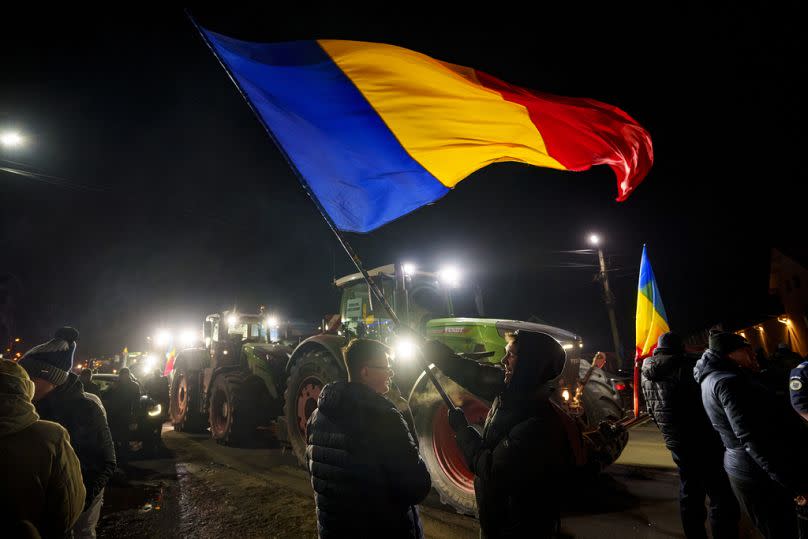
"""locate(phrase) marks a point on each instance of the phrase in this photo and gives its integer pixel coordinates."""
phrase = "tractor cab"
(225, 333)
(416, 296)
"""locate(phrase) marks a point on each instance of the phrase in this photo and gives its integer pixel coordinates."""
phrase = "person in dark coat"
(524, 452)
(365, 468)
(41, 474)
(86, 378)
(121, 401)
(764, 446)
(673, 399)
(59, 397)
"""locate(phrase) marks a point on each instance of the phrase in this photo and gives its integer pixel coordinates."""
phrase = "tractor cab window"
(362, 315)
(428, 300)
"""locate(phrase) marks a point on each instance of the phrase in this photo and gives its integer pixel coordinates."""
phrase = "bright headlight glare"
(449, 276)
(157, 410)
(162, 337)
(405, 349)
(567, 346)
(271, 322)
(188, 337)
(565, 394)
(232, 320)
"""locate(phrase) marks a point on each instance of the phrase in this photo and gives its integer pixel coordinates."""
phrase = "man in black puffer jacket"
(524, 453)
(365, 468)
(764, 447)
(674, 402)
(59, 397)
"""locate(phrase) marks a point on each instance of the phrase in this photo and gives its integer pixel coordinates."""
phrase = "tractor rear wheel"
(602, 403)
(451, 477)
(234, 409)
(185, 401)
(313, 370)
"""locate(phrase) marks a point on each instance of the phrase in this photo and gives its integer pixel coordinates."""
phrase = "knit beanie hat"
(725, 342)
(670, 342)
(52, 361)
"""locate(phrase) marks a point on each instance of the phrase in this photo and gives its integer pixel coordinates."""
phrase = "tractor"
(439, 307)
(233, 384)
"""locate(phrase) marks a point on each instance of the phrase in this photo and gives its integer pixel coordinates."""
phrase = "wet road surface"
(202, 489)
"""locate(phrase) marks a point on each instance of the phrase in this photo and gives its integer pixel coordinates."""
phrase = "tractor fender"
(332, 343)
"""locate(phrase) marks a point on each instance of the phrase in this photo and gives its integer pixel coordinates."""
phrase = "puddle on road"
(143, 498)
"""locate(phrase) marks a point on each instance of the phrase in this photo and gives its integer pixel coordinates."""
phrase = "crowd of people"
(358, 442)
(727, 417)
(58, 440)
(731, 430)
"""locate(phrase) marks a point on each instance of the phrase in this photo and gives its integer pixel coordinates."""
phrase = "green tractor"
(234, 383)
(437, 308)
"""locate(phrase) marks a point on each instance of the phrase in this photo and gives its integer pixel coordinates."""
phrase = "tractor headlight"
(148, 365)
(565, 394)
(404, 349)
(157, 410)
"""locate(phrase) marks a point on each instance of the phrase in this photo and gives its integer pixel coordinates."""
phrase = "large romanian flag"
(651, 321)
(376, 131)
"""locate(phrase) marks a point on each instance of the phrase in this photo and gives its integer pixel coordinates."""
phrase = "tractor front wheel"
(310, 373)
(233, 411)
(185, 401)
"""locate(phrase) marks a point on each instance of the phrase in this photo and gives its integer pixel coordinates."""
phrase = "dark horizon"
(170, 202)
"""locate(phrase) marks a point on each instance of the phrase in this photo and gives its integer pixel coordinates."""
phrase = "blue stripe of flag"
(347, 155)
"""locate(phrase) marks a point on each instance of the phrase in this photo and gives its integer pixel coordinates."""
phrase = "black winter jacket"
(89, 433)
(760, 440)
(365, 468)
(673, 398)
(524, 455)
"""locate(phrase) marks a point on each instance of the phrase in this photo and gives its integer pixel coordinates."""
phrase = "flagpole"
(377, 292)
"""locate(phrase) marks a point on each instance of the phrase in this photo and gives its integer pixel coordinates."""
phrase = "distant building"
(786, 320)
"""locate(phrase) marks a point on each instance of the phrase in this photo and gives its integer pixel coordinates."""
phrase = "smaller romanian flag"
(170, 357)
(651, 318)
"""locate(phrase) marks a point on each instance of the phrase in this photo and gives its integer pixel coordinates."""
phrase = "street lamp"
(608, 298)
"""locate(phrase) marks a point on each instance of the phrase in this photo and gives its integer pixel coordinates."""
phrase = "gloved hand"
(457, 419)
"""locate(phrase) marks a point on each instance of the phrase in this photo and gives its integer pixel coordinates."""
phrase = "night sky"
(167, 200)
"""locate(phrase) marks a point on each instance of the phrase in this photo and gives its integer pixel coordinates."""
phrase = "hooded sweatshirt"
(761, 442)
(524, 451)
(42, 481)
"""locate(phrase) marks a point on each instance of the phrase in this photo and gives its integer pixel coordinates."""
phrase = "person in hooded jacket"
(59, 397)
(524, 452)
(41, 474)
(764, 446)
(365, 468)
(673, 399)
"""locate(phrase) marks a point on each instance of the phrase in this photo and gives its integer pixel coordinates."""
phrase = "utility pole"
(608, 297)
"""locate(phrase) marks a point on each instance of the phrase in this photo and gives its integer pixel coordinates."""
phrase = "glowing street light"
(409, 269)
(608, 297)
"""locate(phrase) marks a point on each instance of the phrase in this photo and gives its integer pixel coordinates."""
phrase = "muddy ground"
(208, 491)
